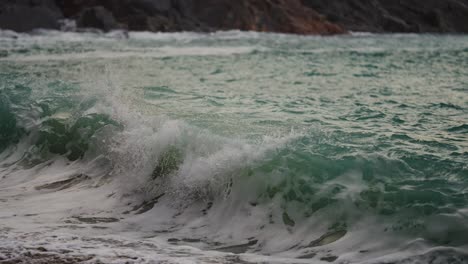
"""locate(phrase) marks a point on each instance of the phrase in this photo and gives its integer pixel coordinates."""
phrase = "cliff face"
(439, 16)
(25, 15)
(286, 16)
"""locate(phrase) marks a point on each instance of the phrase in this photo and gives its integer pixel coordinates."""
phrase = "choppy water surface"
(234, 147)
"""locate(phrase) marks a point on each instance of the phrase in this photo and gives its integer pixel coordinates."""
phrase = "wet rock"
(24, 16)
(395, 16)
(97, 17)
(153, 6)
(395, 24)
(286, 16)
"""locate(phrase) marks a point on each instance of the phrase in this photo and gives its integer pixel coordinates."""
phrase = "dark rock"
(439, 16)
(24, 16)
(184, 7)
(153, 6)
(137, 22)
(286, 16)
(97, 17)
(395, 24)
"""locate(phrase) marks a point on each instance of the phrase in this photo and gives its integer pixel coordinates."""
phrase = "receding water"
(283, 149)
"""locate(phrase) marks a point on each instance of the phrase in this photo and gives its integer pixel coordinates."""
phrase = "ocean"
(233, 147)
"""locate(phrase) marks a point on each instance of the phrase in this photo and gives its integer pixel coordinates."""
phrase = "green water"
(373, 126)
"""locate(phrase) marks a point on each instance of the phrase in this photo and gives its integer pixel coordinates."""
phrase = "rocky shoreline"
(284, 16)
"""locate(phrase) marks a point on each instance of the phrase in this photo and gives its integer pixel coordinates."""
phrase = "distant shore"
(282, 16)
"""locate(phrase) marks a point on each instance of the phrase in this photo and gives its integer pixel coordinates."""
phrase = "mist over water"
(233, 146)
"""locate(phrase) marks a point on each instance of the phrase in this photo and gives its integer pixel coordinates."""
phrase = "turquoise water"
(336, 143)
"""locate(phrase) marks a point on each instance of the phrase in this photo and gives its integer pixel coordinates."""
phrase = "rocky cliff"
(286, 16)
(438, 16)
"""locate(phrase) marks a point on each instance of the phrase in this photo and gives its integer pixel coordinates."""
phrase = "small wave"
(162, 52)
(459, 129)
(448, 106)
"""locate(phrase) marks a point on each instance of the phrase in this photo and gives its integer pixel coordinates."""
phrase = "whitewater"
(233, 147)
